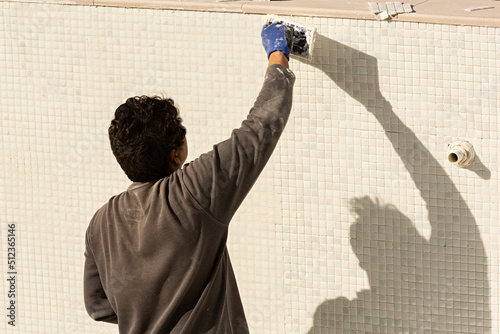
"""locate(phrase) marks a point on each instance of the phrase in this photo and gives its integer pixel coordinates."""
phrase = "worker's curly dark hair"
(142, 135)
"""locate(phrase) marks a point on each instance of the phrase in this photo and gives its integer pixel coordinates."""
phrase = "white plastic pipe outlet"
(461, 153)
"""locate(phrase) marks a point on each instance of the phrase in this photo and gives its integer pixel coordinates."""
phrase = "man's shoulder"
(101, 212)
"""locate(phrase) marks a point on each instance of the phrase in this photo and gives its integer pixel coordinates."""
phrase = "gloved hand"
(277, 37)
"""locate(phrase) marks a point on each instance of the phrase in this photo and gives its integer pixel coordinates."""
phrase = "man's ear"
(173, 156)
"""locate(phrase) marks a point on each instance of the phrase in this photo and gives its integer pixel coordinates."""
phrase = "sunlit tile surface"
(359, 224)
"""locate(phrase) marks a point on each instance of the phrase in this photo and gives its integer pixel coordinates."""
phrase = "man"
(156, 259)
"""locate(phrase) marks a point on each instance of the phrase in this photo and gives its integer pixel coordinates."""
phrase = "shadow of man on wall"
(417, 285)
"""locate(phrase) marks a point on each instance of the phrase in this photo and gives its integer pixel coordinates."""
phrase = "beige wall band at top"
(432, 11)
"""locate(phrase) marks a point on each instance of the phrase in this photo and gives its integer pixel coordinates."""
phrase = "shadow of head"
(408, 278)
(379, 233)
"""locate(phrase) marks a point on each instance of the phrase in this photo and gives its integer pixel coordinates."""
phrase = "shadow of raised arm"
(354, 72)
(450, 275)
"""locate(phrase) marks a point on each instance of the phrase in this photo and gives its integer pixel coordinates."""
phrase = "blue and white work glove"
(277, 37)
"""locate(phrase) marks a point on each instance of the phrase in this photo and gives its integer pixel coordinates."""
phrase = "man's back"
(156, 257)
(161, 274)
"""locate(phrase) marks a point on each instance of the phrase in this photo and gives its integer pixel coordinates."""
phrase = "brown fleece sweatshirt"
(156, 259)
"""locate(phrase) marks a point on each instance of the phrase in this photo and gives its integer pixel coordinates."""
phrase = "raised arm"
(219, 180)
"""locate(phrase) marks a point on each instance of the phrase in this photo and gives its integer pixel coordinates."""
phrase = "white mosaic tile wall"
(358, 224)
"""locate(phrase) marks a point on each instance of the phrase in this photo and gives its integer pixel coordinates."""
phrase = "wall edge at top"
(358, 12)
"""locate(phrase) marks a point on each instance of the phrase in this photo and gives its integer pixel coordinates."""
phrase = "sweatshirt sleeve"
(96, 301)
(220, 179)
